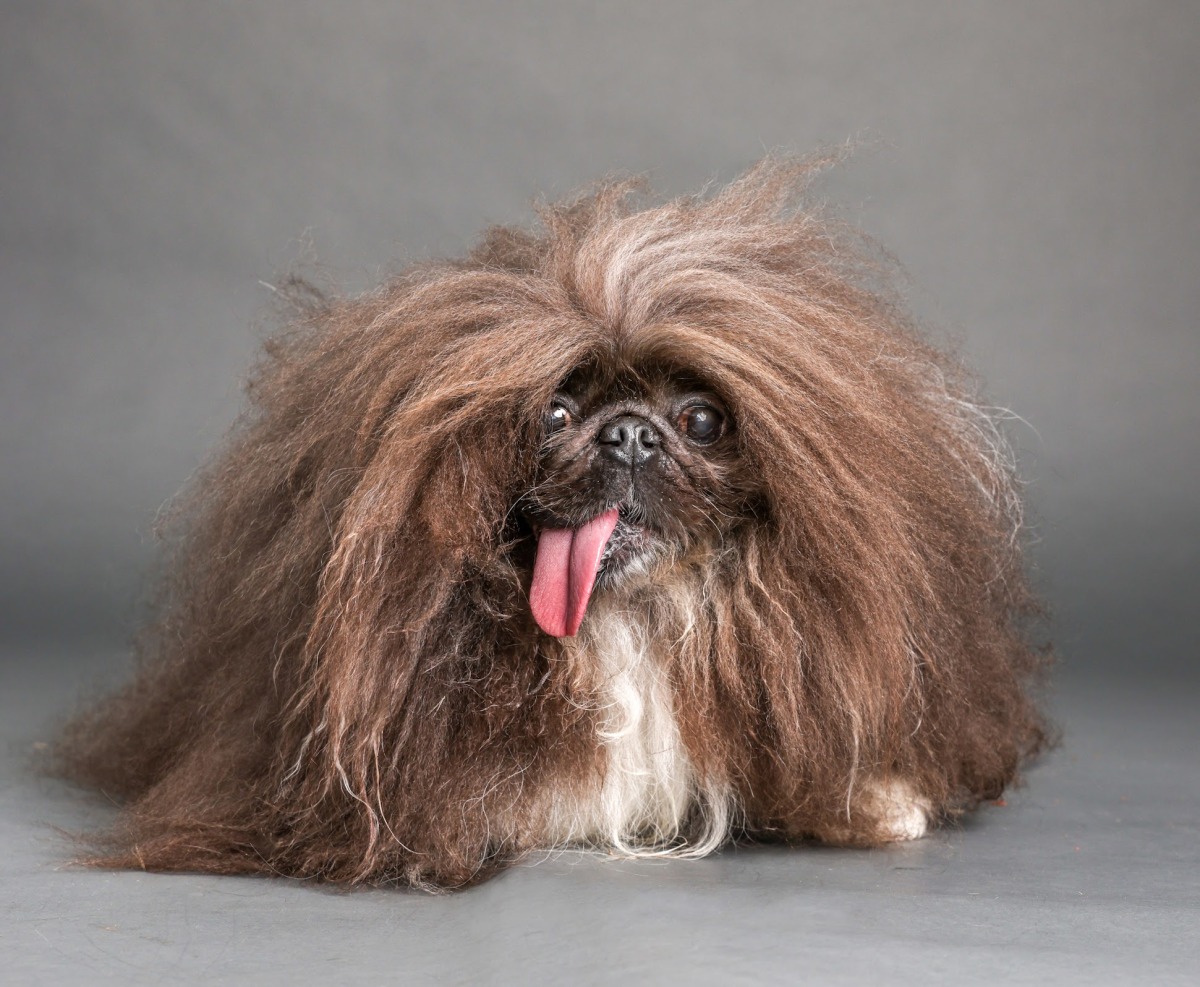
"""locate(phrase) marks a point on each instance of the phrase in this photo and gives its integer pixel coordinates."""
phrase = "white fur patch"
(902, 814)
(649, 787)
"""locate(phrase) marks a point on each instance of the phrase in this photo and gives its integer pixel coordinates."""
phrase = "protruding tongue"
(565, 571)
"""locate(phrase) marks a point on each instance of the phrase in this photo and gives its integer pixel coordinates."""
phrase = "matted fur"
(345, 681)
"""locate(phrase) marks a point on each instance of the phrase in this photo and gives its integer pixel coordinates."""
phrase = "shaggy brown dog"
(650, 530)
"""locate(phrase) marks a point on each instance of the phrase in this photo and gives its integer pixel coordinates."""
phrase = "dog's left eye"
(702, 423)
(557, 418)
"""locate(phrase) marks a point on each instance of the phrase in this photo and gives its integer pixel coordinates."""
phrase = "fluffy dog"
(652, 529)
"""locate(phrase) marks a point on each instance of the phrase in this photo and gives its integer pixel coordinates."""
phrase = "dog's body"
(654, 530)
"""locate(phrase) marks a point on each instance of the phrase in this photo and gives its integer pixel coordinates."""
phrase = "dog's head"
(710, 395)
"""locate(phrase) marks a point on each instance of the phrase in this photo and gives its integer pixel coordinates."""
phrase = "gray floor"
(1090, 874)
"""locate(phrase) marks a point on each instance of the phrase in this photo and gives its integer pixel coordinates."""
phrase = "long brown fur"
(345, 682)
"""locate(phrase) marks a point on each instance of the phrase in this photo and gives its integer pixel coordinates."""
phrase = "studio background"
(1034, 166)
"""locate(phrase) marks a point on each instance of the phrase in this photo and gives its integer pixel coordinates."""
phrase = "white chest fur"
(649, 790)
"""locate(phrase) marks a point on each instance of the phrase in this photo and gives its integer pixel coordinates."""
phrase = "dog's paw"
(900, 813)
(881, 811)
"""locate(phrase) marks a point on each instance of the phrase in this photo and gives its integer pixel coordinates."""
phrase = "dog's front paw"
(900, 813)
(879, 812)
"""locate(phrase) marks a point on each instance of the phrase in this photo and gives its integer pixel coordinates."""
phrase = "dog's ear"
(426, 510)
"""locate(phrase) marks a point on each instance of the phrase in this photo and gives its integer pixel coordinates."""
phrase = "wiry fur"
(345, 681)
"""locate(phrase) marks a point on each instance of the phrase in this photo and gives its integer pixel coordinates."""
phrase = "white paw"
(903, 815)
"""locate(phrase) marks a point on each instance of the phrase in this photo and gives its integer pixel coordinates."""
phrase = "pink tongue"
(565, 571)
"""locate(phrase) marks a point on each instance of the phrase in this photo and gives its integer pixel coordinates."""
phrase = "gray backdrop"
(1034, 165)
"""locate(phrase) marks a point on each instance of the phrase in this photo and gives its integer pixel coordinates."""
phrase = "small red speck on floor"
(1077, 849)
(1000, 802)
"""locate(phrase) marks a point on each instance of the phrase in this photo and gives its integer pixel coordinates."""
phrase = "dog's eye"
(701, 423)
(558, 418)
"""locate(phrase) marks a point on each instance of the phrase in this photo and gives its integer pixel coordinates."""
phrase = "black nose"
(630, 440)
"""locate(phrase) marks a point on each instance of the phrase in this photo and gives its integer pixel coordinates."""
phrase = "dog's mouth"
(572, 561)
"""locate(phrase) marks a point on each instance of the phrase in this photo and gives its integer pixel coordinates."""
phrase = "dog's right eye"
(557, 418)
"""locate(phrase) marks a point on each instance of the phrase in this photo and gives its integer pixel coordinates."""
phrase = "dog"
(652, 528)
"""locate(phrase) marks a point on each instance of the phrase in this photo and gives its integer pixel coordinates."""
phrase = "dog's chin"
(633, 551)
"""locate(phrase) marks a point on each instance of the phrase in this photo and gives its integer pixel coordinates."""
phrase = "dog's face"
(640, 471)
